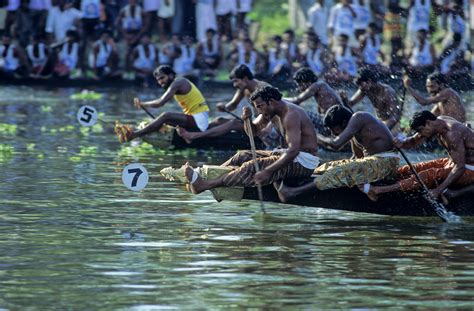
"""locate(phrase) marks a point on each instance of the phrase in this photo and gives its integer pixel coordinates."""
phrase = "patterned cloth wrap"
(432, 173)
(353, 172)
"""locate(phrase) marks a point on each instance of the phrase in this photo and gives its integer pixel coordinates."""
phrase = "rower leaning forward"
(245, 84)
(447, 101)
(195, 115)
(443, 174)
(372, 146)
(382, 96)
(298, 160)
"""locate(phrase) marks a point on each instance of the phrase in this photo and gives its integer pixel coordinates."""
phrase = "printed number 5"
(87, 112)
(87, 116)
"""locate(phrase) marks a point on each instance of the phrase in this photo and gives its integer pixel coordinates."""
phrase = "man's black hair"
(366, 74)
(211, 30)
(164, 69)
(420, 118)
(290, 32)
(277, 38)
(73, 34)
(343, 35)
(240, 72)
(437, 77)
(337, 115)
(266, 93)
(305, 75)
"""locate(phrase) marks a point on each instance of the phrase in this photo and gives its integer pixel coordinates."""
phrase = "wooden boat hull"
(351, 199)
(348, 199)
(230, 142)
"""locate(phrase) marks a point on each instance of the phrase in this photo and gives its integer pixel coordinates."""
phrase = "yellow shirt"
(193, 102)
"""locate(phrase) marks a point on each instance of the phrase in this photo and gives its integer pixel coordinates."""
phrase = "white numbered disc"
(87, 115)
(135, 177)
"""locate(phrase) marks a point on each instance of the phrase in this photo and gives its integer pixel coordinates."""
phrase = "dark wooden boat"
(232, 141)
(351, 199)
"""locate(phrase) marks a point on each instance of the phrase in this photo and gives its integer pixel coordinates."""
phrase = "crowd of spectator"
(129, 38)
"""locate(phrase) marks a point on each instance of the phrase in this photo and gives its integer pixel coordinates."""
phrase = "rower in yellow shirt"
(195, 114)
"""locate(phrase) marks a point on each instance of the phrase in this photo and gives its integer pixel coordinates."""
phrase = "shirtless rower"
(456, 170)
(298, 161)
(243, 80)
(195, 110)
(372, 147)
(325, 96)
(382, 96)
(448, 102)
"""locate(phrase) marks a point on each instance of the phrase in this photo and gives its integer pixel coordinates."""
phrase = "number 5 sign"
(87, 116)
(135, 177)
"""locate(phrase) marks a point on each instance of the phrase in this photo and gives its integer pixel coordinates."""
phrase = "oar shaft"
(147, 111)
(233, 114)
(248, 126)
(439, 208)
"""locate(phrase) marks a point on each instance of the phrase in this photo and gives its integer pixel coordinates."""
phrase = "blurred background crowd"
(127, 39)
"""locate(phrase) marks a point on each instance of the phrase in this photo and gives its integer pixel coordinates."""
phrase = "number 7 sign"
(135, 177)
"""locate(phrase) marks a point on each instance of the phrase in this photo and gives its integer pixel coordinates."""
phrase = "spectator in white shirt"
(62, 18)
(341, 21)
(150, 9)
(38, 13)
(165, 18)
(224, 11)
(318, 20)
(243, 7)
(12, 8)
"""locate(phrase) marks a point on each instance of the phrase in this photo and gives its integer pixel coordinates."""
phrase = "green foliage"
(147, 150)
(46, 109)
(272, 15)
(86, 95)
(6, 152)
(8, 129)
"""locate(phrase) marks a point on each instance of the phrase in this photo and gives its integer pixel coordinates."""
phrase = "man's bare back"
(458, 133)
(385, 103)
(450, 105)
(325, 96)
(293, 114)
(373, 135)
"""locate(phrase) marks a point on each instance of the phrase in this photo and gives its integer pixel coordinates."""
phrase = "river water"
(73, 237)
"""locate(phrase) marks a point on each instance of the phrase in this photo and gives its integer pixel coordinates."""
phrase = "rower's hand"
(262, 177)
(137, 103)
(398, 142)
(343, 96)
(221, 107)
(406, 81)
(246, 113)
(436, 193)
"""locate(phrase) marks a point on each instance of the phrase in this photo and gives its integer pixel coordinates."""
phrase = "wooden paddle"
(147, 111)
(248, 127)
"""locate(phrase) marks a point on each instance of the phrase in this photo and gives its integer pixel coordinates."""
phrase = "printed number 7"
(137, 173)
(87, 113)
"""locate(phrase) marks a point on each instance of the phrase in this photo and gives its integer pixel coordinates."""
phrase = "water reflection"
(73, 237)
